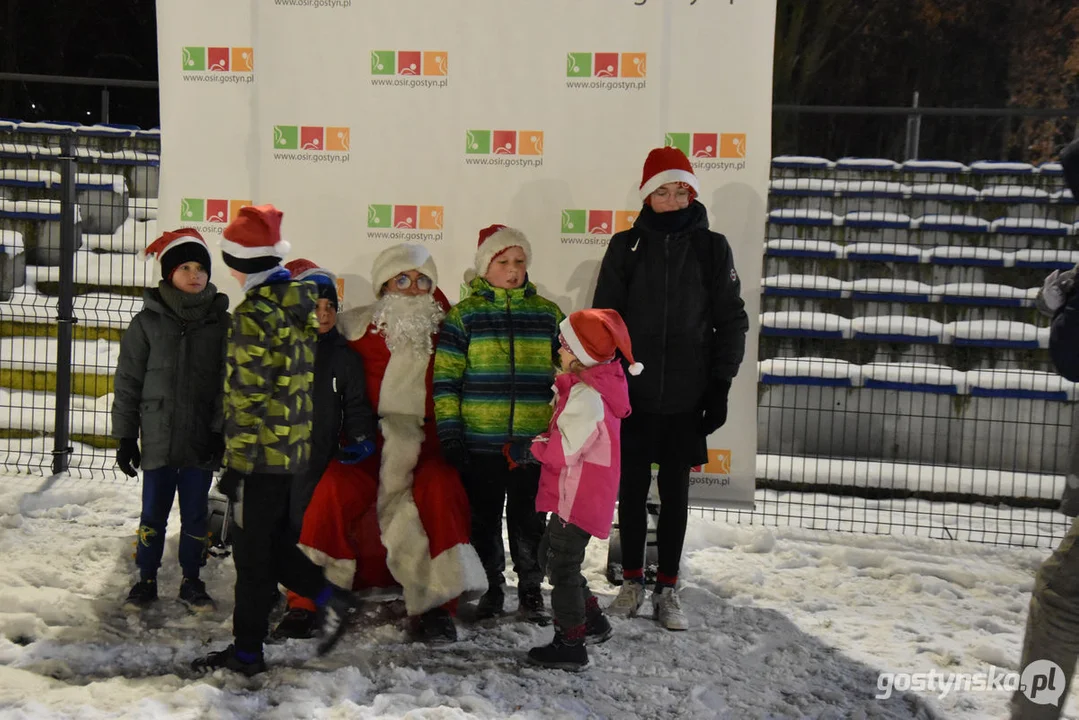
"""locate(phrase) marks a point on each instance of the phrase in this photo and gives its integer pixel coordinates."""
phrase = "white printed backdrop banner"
(371, 124)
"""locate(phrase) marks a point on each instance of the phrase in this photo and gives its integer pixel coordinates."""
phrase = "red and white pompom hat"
(176, 247)
(253, 239)
(593, 336)
(493, 241)
(666, 165)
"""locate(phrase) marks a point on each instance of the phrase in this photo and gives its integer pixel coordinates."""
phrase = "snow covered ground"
(786, 623)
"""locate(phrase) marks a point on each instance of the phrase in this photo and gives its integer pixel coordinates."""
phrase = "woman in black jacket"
(673, 281)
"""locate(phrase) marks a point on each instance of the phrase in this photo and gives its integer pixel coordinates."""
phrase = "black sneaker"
(434, 626)
(143, 594)
(531, 606)
(193, 594)
(332, 618)
(564, 652)
(492, 604)
(597, 628)
(298, 623)
(227, 659)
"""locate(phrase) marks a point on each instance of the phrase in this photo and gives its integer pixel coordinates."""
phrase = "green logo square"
(677, 140)
(579, 65)
(379, 216)
(383, 62)
(194, 59)
(192, 210)
(286, 137)
(478, 142)
(573, 221)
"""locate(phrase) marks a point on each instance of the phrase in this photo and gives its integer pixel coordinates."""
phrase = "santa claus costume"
(406, 494)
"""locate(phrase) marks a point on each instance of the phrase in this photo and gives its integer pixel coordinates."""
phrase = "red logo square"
(217, 58)
(311, 138)
(408, 62)
(217, 211)
(600, 222)
(606, 65)
(504, 142)
(404, 216)
(705, 145)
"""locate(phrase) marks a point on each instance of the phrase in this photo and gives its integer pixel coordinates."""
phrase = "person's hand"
(456, 454)
(518, 453)
(1056, 289)
(215, 451)
(229, 484)
(128, 456)
(356, 452)
(715, 406)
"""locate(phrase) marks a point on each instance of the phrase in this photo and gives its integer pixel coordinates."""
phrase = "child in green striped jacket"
(494, 369)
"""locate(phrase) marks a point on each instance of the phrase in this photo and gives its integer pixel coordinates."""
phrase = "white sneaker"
(667, 610)
(629, 600)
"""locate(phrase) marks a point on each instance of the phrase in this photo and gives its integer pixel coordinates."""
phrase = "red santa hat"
(593, 336)
(304, 269)
(666, 165)
(493, 241)
(177, 247)
(397, 259)
(252, 242)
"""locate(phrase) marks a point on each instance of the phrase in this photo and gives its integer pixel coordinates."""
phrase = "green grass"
(97, 441)
(17, 328)
(92, 385)
(53, 289)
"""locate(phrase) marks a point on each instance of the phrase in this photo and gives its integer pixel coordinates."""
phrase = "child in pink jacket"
(581, 469)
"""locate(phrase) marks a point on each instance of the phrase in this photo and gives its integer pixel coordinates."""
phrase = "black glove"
(518, 453)
(215, 451)
(715, 406)
(456, 454)
(128, 456)
(229, 484)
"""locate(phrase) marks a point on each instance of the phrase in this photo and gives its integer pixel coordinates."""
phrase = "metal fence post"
(65, 317)
(914, 132)
(105, 105)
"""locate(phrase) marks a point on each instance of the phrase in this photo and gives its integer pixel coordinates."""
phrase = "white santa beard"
(407, 323)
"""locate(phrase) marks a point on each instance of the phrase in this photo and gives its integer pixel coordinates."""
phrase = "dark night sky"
(87, 38)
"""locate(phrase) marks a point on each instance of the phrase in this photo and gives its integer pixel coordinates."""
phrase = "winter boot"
(193, 595)
(434, 626)
(143, 594)
(298, 623)
(531, 606)
(629, 600)
(667, 609)
(597, 628)
(332, 616)
(565, 652)
(230, 658)
(492, 604)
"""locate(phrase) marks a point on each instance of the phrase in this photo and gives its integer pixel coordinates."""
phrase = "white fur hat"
(397, 259)
(493, 240)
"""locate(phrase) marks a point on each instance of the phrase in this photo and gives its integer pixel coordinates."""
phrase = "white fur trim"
(339, 571)
(669, 176)
(397, 259)
(575, 345)
(581, 414)
(636, 368)
(182, 240)
(315, 271)
(279, 249)
(353, 323)
(404, 386)
(501, 240)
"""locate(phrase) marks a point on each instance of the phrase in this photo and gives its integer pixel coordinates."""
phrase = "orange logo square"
(624, 219)
(530, 142)
(340, 291)
(337, 138)
(719, 462)
(243, 59)
(634, 65)
(430, 217)
(732, 145)
(435, 62)
(234, 207)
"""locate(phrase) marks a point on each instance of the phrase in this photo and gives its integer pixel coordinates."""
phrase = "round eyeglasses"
(404, 282)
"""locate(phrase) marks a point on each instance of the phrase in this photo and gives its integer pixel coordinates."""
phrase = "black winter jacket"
(674, 283)
(342, 412)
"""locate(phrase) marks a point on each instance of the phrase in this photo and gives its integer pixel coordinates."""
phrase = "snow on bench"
(142, 208)
(1046, 259)
(913, 377)
(802, 162)
(948, 192)
(806, 325)
(1052, 169)
(47, 179)
(985, 294)
(1025, 384)
(11, 244)
(812, 286)
(884, 252)
(872, 189)
(803, 187)
(801, 217)
(934, 166)
(897, 329)
(23, 150)
(877, 220)
(809, 371)
(795, 247)
(112, 269)
(889, 290)
(952, 223)
(119, 157)
(862, 164)
(38, 354)
(1030, 226)
(1013, 194)
(34, 411)
(131, 237)
(997, 334)
(33, 210)
(93, 309)
(996, 167)
(107, 130)
(967, 255)
(1063, 197)
(51, 127)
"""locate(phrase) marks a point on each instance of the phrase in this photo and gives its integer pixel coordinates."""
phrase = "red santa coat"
(411, 525)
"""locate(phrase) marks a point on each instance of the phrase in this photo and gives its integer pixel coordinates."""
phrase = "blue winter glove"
(356, 452)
